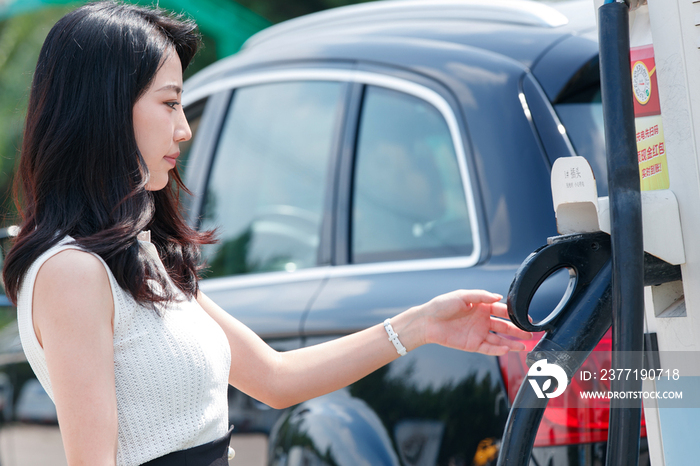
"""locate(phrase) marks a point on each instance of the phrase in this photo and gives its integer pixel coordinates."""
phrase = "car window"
(268, 178)
(580, 109)
(582, 116)
(408, 197)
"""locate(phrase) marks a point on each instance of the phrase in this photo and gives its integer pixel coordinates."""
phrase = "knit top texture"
(171, 368)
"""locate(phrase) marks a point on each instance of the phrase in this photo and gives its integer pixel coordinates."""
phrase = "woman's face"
(159, 122)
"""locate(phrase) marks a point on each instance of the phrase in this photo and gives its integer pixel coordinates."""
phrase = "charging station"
(633, 256)
(672, 311)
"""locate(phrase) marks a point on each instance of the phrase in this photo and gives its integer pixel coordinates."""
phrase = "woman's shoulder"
(63, 271)
(72, 271)
(66, 259)
(72, 262)
(70, 286)
(69, 273)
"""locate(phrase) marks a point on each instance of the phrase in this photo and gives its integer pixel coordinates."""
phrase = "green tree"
(20, 41)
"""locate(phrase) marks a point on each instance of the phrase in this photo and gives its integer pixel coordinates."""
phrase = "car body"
(363, 160)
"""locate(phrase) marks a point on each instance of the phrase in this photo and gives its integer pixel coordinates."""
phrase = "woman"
(135, 357)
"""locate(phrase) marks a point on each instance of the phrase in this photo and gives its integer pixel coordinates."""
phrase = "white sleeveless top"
(171, 370)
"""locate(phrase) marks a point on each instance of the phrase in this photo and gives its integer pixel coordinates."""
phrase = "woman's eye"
(172, 104)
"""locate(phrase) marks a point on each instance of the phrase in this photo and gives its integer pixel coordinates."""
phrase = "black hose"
(626, 230)
(521, 427)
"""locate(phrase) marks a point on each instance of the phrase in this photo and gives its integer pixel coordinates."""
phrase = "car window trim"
(329, 225)
(345, 176)
(203, 148)
(365, 78)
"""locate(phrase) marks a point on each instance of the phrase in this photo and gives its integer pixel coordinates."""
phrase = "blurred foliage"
(20, 41)
(205, 56)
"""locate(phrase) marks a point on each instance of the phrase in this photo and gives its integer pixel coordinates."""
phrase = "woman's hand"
(470, 320)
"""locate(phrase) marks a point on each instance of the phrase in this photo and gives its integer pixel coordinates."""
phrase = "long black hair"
(80, 172)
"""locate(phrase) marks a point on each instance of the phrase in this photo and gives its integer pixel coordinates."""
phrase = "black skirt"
(210, 454)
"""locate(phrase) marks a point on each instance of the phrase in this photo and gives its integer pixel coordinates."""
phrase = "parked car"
(362, 160)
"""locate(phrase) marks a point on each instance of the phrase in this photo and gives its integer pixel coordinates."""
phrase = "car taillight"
(569, 418)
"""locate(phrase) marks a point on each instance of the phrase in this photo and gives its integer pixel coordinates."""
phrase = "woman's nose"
(183, 131)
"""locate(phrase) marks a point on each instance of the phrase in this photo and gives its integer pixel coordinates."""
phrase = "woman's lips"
(172, 159)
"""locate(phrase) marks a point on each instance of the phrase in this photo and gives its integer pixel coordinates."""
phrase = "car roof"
(577, 15)
(482, 23)
(520, 30)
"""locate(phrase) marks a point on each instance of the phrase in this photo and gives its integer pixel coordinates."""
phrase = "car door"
(264, 192)
(407, 231)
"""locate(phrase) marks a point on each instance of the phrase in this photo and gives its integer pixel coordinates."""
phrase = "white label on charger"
(575, 195)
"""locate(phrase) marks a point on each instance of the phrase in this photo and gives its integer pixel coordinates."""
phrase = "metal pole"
(626, 226)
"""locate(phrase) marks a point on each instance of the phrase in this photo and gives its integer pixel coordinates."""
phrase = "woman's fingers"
(494, 340)
(478, 296)
(506, 327)
(492, 350)
(495, 346)
(500, 310)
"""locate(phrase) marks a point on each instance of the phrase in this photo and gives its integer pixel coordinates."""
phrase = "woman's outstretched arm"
(465, 320)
